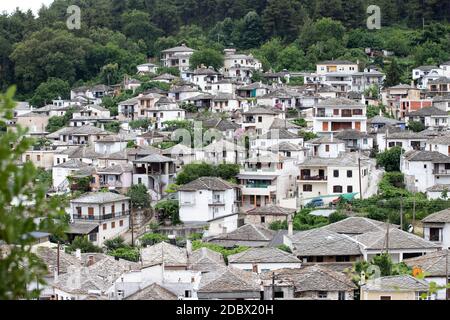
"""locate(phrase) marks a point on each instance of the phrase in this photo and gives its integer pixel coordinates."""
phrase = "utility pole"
(446, 276)
(401, 213)
(360, 183)
(132, 223)
(387, 236)
(414, 211)
(57, 259)
(273, 285)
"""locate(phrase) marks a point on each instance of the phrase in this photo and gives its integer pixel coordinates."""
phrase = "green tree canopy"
(206, 57)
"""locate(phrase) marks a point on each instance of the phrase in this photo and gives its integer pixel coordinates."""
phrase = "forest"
(116, 35)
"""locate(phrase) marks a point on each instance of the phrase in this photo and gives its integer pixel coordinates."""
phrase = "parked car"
(314, 203)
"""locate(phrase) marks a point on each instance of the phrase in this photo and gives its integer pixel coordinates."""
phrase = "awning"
(81, 227)
(349, 196)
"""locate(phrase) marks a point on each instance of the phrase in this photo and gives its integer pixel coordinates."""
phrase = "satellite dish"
(410, 228)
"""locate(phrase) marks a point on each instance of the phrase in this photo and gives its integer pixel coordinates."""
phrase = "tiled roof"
(336, 62)
(207, 183)
(428, 111)
(263, 255)
(327, 139)
(228, 280)
(100, 197)
(383, 120)
(323, 242)
(356, 225)
(164, 252)
(181, 48)
(261, 110)
(313, 278)
(223, 145)
(153, 292)
(433, 156)
(283, 124)
(351, 134)
(72, 164)
(205, 260)
(439, 217)
(285, 146)
(432, 264)
(444, 139)
(248, 232)
(406, 135)
(271, 210)
(279, 134)
(339, 102)
(396, 284)
(153, 158)
(398, 239)
(49, 257)
(221, 124)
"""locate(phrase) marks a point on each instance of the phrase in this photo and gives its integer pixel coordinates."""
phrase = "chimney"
(290, 225)
(91, 261)
(78, 254)
(189, 247)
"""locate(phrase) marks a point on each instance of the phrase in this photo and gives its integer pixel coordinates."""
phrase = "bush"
(390, 159)
(194, 171)
(150, 239)
(139, 196)
(168, 209)
(416, 126)
(197, 244)
(115, 243)
(195, 236)
(284, 248)
(126, 253)
(83, 244)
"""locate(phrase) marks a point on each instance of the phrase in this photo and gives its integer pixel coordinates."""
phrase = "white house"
(109, 212)
(204, 78)
(260, 119)
(63, 170)
(210, 200)
(147, 68)
(436, 228)
(177, 57)
(240, 66)
(164, 110)
(431, 117)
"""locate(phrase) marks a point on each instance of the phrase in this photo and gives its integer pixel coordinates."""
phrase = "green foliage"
(44, 177)
(336, 216)
(195, 236)
(300, 122)
(194, 171)
(168, 209)
(165, 144)
(115, 243)
(131, 144)
(197, 244)
(140, 124)
(390, 159)
(373, 111)
(150, 239)
(139, 196)
(206, 57)
(20, 267)
(393, 74)
(284, 248)
(55, 123)
(126, 253)
(307, 135)
(113, 126)
(416, 126)
(47, 91)
(83, 244)
(296, 81)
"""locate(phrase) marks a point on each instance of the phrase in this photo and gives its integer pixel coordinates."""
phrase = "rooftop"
(438, 217)
(100, 197)
(207, 183)
(263, 255)
(396, 283)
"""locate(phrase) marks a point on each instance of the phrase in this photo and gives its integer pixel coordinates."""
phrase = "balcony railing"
(313, 178)
(217, 202)
(442, 171)
(258, 186)
(102, 217)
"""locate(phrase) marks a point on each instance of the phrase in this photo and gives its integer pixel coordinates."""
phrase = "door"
(113, 210)
(321, 173)
(449, 151)
(358, 126)
(324, 126)
(91, 213)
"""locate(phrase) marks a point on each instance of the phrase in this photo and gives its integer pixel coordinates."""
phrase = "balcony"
(102, 217)
(258, 190)
(443, 172)
(216, 202)
(313, 178)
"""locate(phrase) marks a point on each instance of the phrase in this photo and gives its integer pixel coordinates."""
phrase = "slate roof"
(205, 260)
(49, 257)
(344, 160)
(338, 102)
(181, 48)
(279, 134)
(263, 255)
(440, 80)
(286, 146)
(313, 278)
(444, 139)
(384, 120)
(116, 169)
(248, 232)
(165, 76)
(351, 134)
(153, 158)
(433, 156)
(229, 280)
(336, 62)
(327, 139)
(72, 164)
(438, 217)
(164, 252)
(84, 152)
(402, 86)
(428, 111)
(153, 292)
(221, 124)
(398, 239)
(406, 135)
(205, 71)
(355, 225)
(433, 264)
(261, 110)
(207, 183)
(323, 242)
(223, 145)
(271, 210)
(396, 284)
(100, 197)
(81, 227)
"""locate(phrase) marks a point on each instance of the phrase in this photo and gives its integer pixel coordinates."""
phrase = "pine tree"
(393, 74)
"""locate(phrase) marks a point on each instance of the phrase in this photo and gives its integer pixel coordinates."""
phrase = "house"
(378, 122)
(165, 77)
(70, 136)
(424, 169)
(250, 235)
(93, 94)
(63, 170)
(147, 68)
(440, 144)
(436, 228)
(153, 292)
(240, 67)
(265, 215)
(177, 57)
(323, 246)
(401, 244)
(171, 257)
(110, 144)
(288, 150)
(35, 123)
(205, 77)
(431, 117)
(154, 171)
(346, 174)
(110, 212)
(309, 283)
(182, 154)
(260, 119)
(273, 137)
(268, 179)
(333, 115)
(352, 226)
(210, 200)
(407, 140)
(282, 99)
(150, 138)
(326, 146)
(164, 110)
(40, 157)
(222, 151)
(229, 284)
(225, 102)
(442, 102)
(422, 74)
(118, 177)
(260, 260)
(183, 92)
(252, 90)
(439, 86)
(355, 140)
(128, 109)
(402, 287)
(434, 268)
(226, 127)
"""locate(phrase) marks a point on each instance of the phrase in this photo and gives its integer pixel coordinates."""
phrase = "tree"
(24, 208)
(126, 253)
(281, 18)
(50, 90)
(390, 159)
(113, 244)
(150, 239)
(206, 57)
(83, 244)
(113, 126)
(416, 126)
(251, 35)
(291, 58)
(168, 209)
(393, 74)
(139, 196)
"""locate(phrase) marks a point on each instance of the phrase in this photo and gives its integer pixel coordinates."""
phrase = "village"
(210, 185)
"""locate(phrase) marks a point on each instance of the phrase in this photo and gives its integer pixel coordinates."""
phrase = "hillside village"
(209, 185)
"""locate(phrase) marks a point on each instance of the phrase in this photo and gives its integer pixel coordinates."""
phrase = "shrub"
(126, 253)
(115, 243)
(150, 239)
(83, 244)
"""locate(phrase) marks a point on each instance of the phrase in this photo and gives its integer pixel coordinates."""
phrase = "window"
(327, 148)
(337, 189)
(424, 166)
(341, 295)
(435, 234)
(263, 219)
(279, 295)
(259, 119)
(319, 259)
(342, 258)
(104, 226)
(322, 294)
(385, 298)
(349, 189)
(139, 180)
(121, 223)
(349, 173)
(336, 173)
(187, 294)
(307, 188)
(38, 157)
(113, 225)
